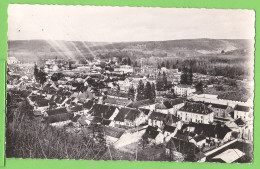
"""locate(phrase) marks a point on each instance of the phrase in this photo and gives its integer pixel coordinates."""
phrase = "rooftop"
(194, 107)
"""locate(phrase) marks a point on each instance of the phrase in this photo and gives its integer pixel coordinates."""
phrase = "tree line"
(142, 92)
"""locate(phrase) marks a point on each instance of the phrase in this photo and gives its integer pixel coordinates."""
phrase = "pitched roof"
(219, 106)
(199, 138)
(209, 130)
(239, 122)
(157, 116)
(76, 108)
(59, 118)
(57, 111)
(118, 101)
(42, 102)
(145, 111)
(170, 129)
(151, 132)
(128, 114)
(176, 101)
(88, 104)
(101, 110)
(141, 103)
(113, 132)
(242, 108)
(182, 146)
(194, 107)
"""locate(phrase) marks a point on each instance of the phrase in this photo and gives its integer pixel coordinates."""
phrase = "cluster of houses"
(188, 124)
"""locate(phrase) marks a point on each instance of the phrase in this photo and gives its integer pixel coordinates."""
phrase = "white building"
(196, 112)
(124, 68)
(243, 112)
(184, 90)
(12, 60)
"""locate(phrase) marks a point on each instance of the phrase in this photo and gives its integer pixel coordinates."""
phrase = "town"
(129, 108)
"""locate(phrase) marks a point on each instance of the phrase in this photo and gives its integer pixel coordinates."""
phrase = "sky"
(121, 24)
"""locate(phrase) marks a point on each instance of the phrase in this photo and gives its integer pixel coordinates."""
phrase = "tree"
(153, 91)
(163, 64)
(148, 91)
(131, 93)
(199, 87)
(165, 80)
(36, 72)
(135, 64)
(42, 77)
(160, 84)
(158, 66)
(56, 76)
(129, 62)
(124, 61)
(140, 91)
(184, 76)
(167, 65)
(190, 77)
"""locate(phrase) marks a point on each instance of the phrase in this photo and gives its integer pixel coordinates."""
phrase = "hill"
(33, 50)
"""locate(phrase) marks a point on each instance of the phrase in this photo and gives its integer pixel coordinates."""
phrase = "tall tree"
(160, 84)
(153, 92)
(140, 91)
(168, 64)
(131, 93)
(163, 64)
(148, 91)
(42, 77)
(190, 77)
(184, 76)
(129, 62)
(165, 80)
(199, 87)
(36, 72)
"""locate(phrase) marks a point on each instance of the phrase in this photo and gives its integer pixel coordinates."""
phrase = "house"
(243, 112)
(120, 102)
(88, 105)
(218, 133)
(124, 69)
(113, 134)
(145, 104)
(164, 107)
(104, 111)
(169, 131)
(129, 117)
(220, 110)
(59, 120)
(196, 112)
(55, 112)
(12, 60)
(184, 90)
(152, 135)
(176, 104)
(160, 120)
(186, 149)
(199, 141)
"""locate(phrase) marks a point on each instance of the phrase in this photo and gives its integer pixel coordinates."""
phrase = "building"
(220, 110)
(243, 112)
(12, 60)
(124, 69)
(196, 112)
(158, 119)
(184, 90)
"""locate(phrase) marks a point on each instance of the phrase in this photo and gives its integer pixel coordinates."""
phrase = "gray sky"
(115, 24)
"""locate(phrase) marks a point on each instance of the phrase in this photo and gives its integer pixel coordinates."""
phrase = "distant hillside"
(37, 49)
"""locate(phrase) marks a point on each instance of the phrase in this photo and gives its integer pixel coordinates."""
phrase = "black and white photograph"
(130, 83)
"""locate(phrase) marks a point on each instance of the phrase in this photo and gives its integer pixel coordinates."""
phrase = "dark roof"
(170, 129)
(242, 108)
(76, 108)
(36, 97)
(88, 105)
(151, 132)
(57, 111)
(158, 116)
(176, 101)
(42, 102)
(145, 111)
(209, 130)
(117, 101)
(182, 146)
(128, 114)
(132, 114)
(59, 118)
(106, 122)
(140, 103)
(239, 122)
(76, 118)
(194, 107)
(113, 132)
(219, 106)
(167, 118)
(101, 110)
(60, 99)
(199, 138)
